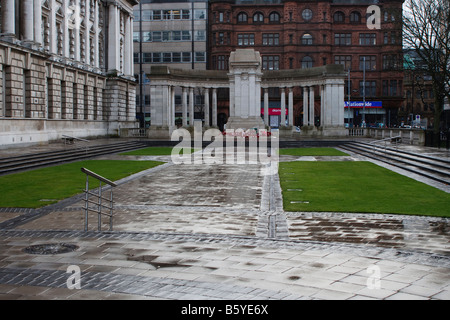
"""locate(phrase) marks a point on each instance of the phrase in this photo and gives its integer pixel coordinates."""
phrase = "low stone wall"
(411, 136)
(32, 131)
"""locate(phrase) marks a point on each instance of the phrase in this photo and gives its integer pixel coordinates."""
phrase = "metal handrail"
(98, 203)
(392, 139)
(66, 137)
(73, 138)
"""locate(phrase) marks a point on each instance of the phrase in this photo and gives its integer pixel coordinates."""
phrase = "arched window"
(258, 17)
(307, 39)
(307, 62)
(242, 17)
(355, 17)
(338, 16)
(274, 17)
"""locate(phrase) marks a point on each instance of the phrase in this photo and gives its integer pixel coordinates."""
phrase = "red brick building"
(303, 34)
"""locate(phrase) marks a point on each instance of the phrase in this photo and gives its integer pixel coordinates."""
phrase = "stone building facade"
(172, 33)
(303, 34)
(65, 69)
(247, 84)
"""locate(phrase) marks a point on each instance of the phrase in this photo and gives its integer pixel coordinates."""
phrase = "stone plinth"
(245, 90)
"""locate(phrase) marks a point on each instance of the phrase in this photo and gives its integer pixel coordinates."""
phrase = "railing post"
(99, 203)
(86, 204)
(99, 214)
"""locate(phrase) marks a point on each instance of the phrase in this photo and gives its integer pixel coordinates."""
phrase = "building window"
(221, 38)
(156, 14)
(370, 89)
(167, 57)
(136, 37)
(176, 56)
(274, 17)
(167, 14)
(343, 39)
(146, 15)
(307, 62)
(271, 39)
(135, 58)
(338, 17)
(307, 39)
(147, 57)
(185, 35)
(271, 62)
(247, 39)
(367, 39)
(346, 61)
(307, 14)
(186, 14)
(176, 35)
(186, 56)
(147, 36)
(156, 57)
(393, 37)
(258, 18)
(199, 14)
(391, 62)
(176, 14)
(392, 88)
(200, 35)
(385, 38)
(355, 17)
(200, 57)
(371, 63)
(157, 36)
(221, 63)
(242, 17)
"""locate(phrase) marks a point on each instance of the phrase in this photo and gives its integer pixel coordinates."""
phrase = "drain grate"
(50, 248)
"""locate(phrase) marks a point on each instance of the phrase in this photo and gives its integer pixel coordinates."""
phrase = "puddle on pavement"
(149, 259)
(413, 233)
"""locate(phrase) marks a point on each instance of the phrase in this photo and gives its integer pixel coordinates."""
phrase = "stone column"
(305, 106)
(291, 106)
(28, 21)
(184, 106)
(191, 106)
(214, 107)
(207, 107)
(54, 31)
(169, 104)
(283, 108)
(266, 106)
(8, 18)
(322, 106)
(96, 61)
(172, 107)
(113, 39)
(37, 8)
(128, 52)
(311, 106)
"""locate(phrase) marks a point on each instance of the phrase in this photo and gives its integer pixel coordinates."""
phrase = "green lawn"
(312, 152)
(357, 187)
(40, 187)
(152, 151)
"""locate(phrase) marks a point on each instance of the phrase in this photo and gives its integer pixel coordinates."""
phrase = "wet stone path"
(219, 232)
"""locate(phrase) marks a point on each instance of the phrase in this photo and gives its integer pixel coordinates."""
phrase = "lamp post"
(141, 72)
(364, 94)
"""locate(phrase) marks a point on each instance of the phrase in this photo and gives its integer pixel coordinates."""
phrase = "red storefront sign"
(274, 111)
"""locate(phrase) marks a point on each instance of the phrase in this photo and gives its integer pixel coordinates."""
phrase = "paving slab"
(217, 232)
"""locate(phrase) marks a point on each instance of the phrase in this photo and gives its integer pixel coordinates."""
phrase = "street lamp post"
(141, 72)
(364, 94)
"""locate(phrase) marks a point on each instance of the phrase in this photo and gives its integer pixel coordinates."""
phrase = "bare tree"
(426, 30)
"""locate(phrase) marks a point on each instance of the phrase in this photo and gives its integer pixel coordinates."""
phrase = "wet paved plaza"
(219, 232)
